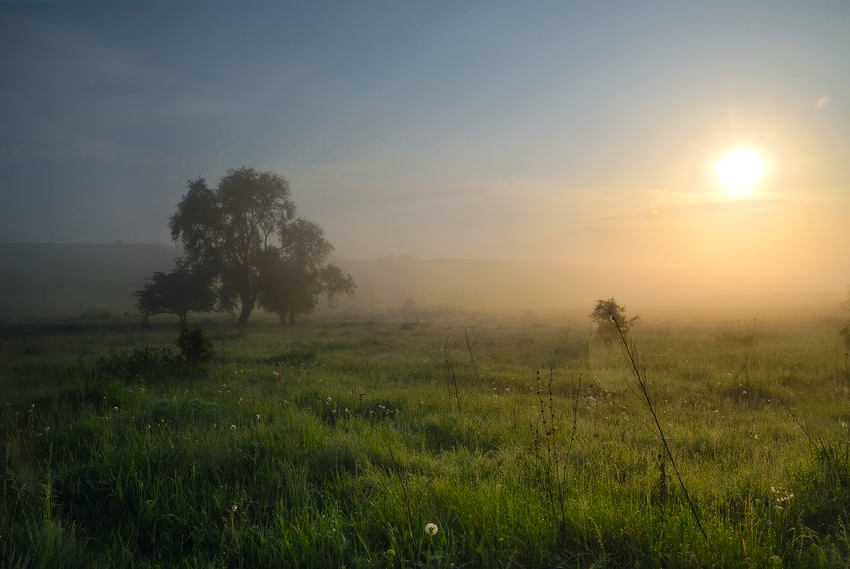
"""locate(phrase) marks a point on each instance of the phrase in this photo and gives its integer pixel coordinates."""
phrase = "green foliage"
(331, 445)
(229, 229)
(180, 291)
(606, 329)
(196, 349)
(293, 276)
(152, 363)
(245, 234)
(147, 363)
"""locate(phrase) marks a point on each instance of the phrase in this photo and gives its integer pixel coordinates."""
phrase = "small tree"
(606, 330)
(179, 291)
(196, 350)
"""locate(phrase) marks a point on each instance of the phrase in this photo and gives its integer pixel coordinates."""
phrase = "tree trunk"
(247, 307)
(292, 318)
(283, 318)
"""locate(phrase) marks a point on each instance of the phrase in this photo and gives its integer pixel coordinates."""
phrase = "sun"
(740, 170)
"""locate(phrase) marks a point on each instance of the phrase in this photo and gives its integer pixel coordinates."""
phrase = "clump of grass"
(552, 450)
(829, 488)
(297, 355)
(148, 363)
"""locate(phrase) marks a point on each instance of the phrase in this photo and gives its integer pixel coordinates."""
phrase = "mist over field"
(436, 285)
(56, 281)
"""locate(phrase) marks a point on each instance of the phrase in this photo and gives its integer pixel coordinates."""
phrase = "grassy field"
(333, 444)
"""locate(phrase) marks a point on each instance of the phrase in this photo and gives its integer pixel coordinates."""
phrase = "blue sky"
(562, 131)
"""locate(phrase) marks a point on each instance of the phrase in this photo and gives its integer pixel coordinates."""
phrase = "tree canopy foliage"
(245, 233)
(606, 329)
(179, 291)
(231, 227)
(293, 277)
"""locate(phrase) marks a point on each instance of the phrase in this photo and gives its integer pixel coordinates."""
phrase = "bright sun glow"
(740, 170)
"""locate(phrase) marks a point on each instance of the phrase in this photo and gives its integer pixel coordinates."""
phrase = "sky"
(568, 132)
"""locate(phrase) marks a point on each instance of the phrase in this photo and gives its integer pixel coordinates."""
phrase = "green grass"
(333, 444)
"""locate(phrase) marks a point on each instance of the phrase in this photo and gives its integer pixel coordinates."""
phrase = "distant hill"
(62, 280)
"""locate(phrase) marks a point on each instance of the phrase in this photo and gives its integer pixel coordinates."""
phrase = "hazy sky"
(562, 131)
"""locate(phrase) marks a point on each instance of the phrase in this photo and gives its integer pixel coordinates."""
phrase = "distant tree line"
(243, 246)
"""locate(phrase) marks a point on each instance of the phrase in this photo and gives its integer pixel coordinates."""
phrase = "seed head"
(431, 529)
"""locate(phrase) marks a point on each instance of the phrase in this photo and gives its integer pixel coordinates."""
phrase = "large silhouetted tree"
(231, 228)
(293, 277)
(179, 291)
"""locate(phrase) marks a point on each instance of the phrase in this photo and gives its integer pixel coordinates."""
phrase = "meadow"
(335, 443)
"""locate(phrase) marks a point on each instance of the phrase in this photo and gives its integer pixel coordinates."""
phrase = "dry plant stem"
(630, 353)
(554, 463)
(471, 357)
(404, 493)
(799, 424)
(827, 452)
(563, 471)
(451, 377)
(662, 485)
(575, 420)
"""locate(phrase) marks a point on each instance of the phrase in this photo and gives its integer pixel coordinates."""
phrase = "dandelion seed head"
(232, 427)
(431, 529)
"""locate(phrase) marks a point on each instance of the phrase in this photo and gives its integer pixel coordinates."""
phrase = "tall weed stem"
(638, 370)
(550, 452)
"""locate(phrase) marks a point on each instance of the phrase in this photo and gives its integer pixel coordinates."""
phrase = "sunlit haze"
(697, 152)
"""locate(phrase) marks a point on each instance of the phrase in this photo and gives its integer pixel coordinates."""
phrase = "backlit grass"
(334, 444)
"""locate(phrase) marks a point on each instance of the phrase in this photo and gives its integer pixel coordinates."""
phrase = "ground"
(334, 443)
